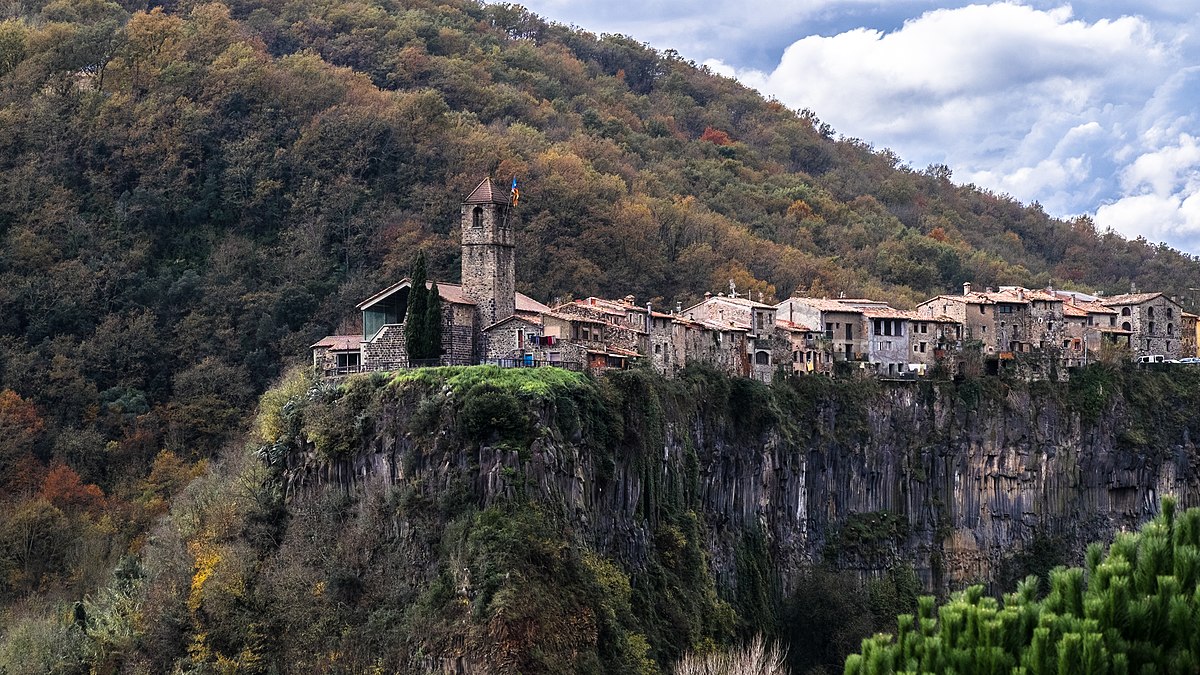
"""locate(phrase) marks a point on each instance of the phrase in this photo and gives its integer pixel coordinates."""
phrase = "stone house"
(843, 326)
(722, 346)
(975, 312)
(1154, 321)
(888, 335)
(804, 348)
(1190, 344)
(338, 354)
(1089, 328)
(764, 345)
(933, 340)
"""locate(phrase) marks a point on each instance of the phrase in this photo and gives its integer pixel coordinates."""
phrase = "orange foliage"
(715, 136)
(63, 488)
(939, 234)
(19, 421)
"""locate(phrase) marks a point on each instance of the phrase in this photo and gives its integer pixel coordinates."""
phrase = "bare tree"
(757, 658)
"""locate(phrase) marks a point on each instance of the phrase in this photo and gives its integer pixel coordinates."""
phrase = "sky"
(1088, 108)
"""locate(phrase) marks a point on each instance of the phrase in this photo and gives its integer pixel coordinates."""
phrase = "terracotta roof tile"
(486, 193)
(1129, 299)
(340, 343)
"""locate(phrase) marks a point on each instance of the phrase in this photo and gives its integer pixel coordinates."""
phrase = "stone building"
(888, 334)
(1090, 330)
(1154, 321)
(843, 326)
(933, 340)
(764, 344)
(486, 297)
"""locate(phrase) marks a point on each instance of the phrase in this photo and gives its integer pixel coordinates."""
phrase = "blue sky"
(1089, 108)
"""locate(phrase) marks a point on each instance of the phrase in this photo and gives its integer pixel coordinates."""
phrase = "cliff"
(712, 496)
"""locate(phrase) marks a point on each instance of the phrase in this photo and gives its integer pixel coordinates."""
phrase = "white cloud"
(1033, 102)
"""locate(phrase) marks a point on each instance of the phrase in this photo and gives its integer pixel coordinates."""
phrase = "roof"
(936, 319)
(742, 302)
(530, 319)
(1113, 329)
(1073, 310)
(971, 299)
(340, 343)
(486, 193)
(825, 305)
(794, 327)
(887, 313)
(1071, 306)
(453, 293)
(1129, 299)
(572, 317)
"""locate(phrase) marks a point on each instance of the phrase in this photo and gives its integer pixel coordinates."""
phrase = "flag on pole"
(516, 194)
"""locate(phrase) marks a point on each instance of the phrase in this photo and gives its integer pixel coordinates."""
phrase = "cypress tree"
(433, 324)
(418, 306)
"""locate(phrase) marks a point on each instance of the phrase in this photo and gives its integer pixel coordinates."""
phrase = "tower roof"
(486, 193)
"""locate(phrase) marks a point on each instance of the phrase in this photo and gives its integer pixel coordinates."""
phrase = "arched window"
(477, 217)
(1125, 326)
(1170, 329)
(1150, 312)
(762, 358)
(1124, 311)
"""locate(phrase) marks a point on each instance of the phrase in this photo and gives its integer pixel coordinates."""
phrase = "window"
(1112, 320)
(762, 358)
(982, 310)
(477, 217)
(1126, 327)
(1170, 329)
(520, 339)
(1169, 313)
(1004, 309)
(761, 320)
(1150, 312)
(658, 349)
(1125, 311)
(1151, 327)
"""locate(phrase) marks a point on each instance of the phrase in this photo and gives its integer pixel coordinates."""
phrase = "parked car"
(1152, 358)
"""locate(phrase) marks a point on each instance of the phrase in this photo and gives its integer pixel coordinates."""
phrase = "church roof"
(453, 293)
(486, 193)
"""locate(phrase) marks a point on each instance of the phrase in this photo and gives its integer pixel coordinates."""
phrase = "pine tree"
(418, 306)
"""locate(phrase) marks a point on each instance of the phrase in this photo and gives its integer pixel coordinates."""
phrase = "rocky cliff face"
(953, 479)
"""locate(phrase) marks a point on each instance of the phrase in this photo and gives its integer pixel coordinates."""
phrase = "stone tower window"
(477, 217)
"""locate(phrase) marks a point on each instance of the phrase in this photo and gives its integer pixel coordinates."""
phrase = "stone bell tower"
(488, 254)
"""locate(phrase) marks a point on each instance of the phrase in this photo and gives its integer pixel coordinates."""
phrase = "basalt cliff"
(744, 486)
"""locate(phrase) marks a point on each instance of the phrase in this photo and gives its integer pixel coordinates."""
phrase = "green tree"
(415, 339)
(432, 328)
(1134, 610)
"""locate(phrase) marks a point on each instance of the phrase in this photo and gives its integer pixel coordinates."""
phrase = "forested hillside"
(192, 193)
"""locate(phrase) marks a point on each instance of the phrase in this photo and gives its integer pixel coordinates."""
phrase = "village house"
(843, 326)
(975, 312)
(805, 347)
(931, 341)
(1154, 321)
(764, 346)
(1091, 329)
(888, 334)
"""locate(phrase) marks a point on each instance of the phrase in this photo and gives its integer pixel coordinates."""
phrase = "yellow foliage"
(270, 424)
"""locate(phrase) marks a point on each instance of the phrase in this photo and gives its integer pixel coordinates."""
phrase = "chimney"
(678, 307)
(989, 289)
(707, 295)
(966, 288)
(649, 317)
(629, 299)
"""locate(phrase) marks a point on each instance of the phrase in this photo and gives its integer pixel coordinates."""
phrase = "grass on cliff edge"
(537, 383)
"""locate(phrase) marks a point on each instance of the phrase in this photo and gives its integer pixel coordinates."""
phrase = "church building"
(486, 297)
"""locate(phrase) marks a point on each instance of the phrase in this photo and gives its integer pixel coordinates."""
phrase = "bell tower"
(488, 254)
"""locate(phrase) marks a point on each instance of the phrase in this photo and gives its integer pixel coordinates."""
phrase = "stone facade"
(1154, 321)
(488, 255)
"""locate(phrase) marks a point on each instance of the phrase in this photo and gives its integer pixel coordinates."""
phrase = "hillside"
(191, 195)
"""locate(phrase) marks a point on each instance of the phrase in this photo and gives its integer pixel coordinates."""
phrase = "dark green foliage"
(868, 535)
(490, 413)
(431, 329)
(1135, 611)
(416, 321)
